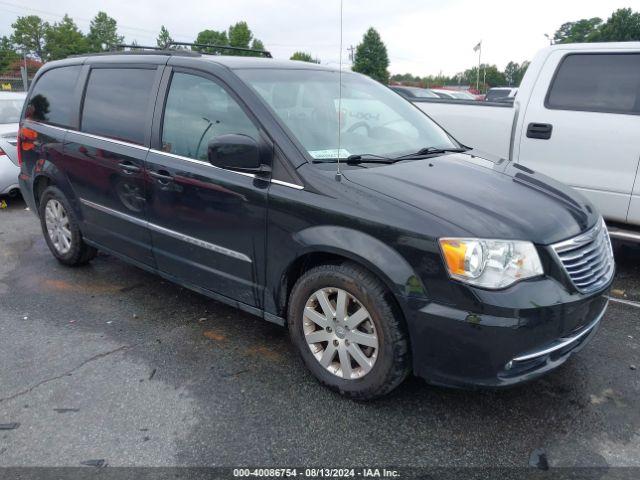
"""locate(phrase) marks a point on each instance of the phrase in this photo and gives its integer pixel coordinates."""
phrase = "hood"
(484, 198)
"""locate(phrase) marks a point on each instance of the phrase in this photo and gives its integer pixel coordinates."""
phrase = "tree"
(371, 57)
(581, 31)
(8, 55)
(520, 73)
(622, 26)
(64, 39)
(257, 45)
(490, 76)
(514, 72)
(240, 35)
(28, 35)
(304, 57)
(212, 37)
(103, 33)
(510, 72)
(164, 37)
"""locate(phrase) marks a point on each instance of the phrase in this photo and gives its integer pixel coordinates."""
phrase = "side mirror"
(237, 152)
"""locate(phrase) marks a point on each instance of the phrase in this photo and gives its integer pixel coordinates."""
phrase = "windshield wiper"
(368, 158)
(429, 151)
(359, 158)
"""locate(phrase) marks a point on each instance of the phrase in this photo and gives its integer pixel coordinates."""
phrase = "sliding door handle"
(162, 176)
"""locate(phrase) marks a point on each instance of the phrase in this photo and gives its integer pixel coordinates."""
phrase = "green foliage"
(257, 44)
(163, 37)
(581, 31)
(304, 57)
(63, 39)
(29, 35)
(490, 76)
(8, 55)
(404, 77)
(514, 72)
(212, 37)
(103, 33)
(622, 26)
(238, 35)
(371, 57)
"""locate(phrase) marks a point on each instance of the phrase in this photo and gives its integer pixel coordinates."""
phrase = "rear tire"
(61, 229)
(362, 353)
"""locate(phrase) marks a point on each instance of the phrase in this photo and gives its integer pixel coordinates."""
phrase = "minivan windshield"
(373, 119)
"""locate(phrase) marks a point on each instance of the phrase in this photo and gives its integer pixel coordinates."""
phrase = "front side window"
(197, 110)
(116, 103)
(597, 83)
(52, 98)
(369, 118)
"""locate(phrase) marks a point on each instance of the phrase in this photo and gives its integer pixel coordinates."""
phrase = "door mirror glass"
(235, 152)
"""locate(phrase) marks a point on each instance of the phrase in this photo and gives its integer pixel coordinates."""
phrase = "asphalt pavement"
(108, 362)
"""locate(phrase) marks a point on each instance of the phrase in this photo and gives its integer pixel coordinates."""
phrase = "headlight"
(490, 263)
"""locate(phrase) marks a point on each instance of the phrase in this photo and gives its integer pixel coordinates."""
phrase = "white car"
(501, 94)
(453, 94)
(576, 118)
(10, 108)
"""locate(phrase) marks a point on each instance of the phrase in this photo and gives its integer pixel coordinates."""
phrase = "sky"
(422, 36)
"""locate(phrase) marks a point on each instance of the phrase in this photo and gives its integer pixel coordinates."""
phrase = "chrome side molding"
(166, 231)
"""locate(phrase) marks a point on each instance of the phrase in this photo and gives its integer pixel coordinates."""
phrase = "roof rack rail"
(121, 46)
(263, 53)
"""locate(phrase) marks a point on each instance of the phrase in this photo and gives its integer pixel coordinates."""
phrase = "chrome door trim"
(166, 231)
(198, 162)
(160, 152)
(110, 140)
(46, 125)
(287, 184)
(91, 135)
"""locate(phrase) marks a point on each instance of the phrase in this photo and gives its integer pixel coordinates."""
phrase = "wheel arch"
(334, 245)
(49, 175)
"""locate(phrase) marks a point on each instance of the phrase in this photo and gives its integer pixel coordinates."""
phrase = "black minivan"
(320, 200)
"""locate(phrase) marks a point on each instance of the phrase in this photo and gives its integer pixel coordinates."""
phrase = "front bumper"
(516, 335)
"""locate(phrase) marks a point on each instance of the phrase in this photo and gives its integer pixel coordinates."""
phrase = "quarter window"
(116, 104)
(198, 110)
(597, 83)
(52, 98)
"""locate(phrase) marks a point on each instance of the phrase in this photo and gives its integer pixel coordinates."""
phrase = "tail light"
(2, 152)
(26, 138)
(19, 150)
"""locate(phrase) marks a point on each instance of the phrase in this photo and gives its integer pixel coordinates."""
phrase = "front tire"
(61, 229)
(348, 331)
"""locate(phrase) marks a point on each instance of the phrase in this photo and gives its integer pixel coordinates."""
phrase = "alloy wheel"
(57, 222)
(340, 333)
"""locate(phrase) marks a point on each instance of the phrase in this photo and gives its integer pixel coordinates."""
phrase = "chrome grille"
(587, 259)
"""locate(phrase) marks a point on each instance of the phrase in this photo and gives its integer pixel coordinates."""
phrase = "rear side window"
(597, 83)
(495, 94)
(116, 103)
(52, 98)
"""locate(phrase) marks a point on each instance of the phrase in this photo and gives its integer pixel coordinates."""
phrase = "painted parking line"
(625, 302)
